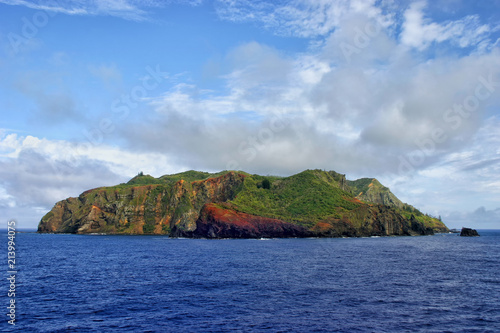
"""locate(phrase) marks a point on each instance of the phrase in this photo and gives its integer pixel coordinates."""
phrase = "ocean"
(105, 283)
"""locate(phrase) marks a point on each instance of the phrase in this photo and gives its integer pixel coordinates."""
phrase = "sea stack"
(468, 232)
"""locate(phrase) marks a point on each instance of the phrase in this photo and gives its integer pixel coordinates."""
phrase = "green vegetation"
(191, 176)
(48, 216)
(305, 198)
(141, 179)
(148, 228)
(429, 221)
(188, 176)
(165, 229)
(370, 190)
(360, 185)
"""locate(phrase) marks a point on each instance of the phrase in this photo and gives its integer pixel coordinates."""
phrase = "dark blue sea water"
(99, 283)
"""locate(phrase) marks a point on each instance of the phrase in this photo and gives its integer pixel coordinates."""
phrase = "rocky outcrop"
(468, 232)
(220, 221)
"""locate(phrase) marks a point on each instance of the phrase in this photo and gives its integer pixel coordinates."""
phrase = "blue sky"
(92, 92)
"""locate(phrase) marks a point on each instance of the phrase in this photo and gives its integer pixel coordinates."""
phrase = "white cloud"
(127, 9)
(71, 8)
(459, 180)
(420, 32)
(302, 18)
(119, 161)
(6, 200)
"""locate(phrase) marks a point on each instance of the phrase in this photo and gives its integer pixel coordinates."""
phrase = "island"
(236, 204)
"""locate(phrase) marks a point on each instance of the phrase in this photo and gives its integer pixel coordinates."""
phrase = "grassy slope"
(305, 198)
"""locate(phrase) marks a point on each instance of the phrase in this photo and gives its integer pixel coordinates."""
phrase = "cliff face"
(233, 205)
(159, 209)
(221, 221)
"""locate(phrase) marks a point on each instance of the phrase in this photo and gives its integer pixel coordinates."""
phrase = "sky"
(408, 92)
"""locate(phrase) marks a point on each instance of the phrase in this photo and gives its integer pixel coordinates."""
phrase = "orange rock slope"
(221, 221)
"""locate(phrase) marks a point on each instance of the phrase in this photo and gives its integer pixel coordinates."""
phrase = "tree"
(141, 174)
(266, 184)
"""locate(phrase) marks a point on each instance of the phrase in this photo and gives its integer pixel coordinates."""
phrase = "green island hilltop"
(235, 204)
